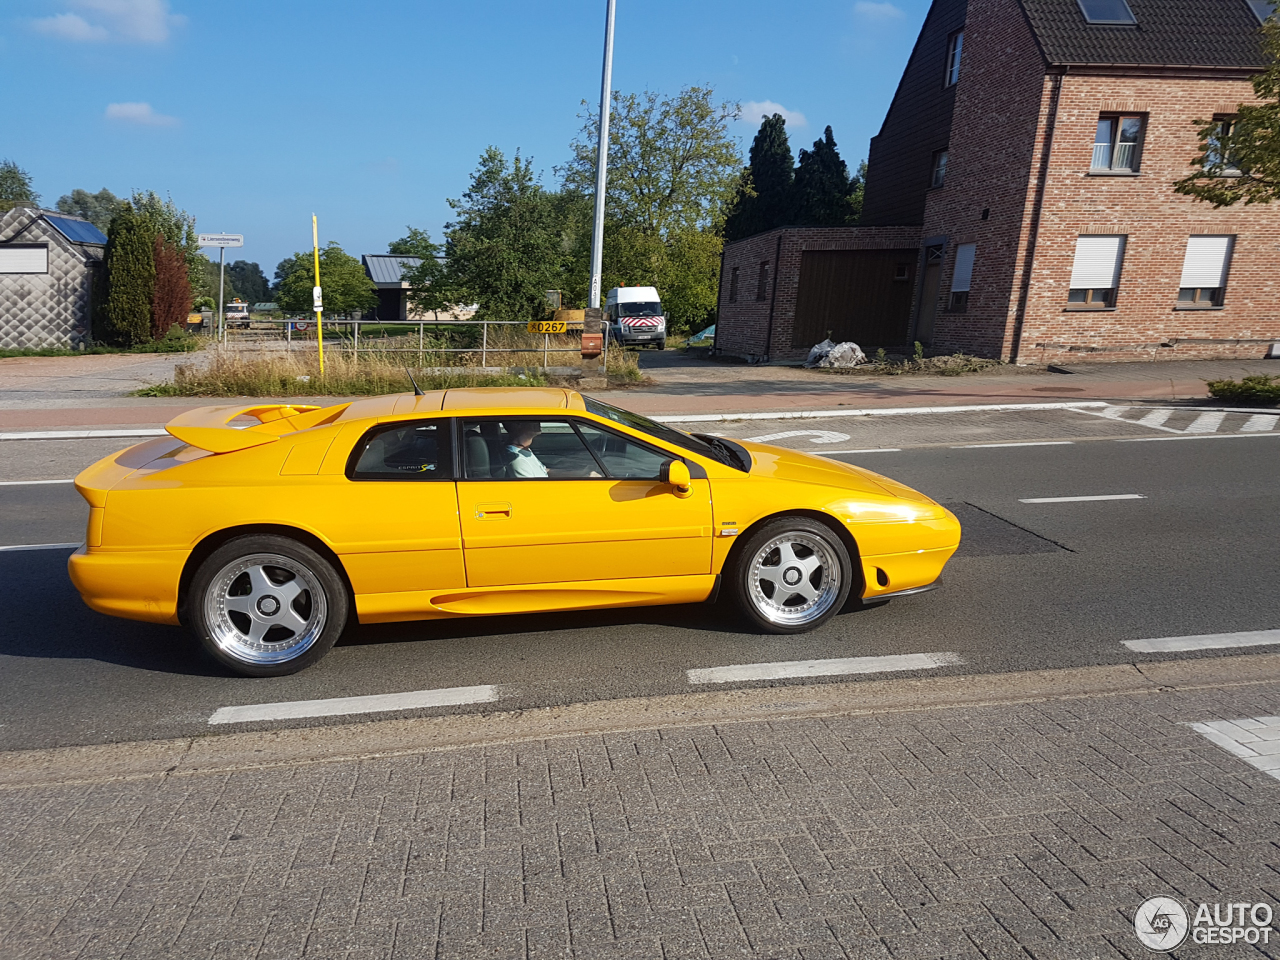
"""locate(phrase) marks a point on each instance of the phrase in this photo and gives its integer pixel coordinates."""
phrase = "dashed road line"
(1196, 436)
(38, 546)
(744, 672)
(832, 453)
(1025, 443)
(1255, 740)
(1260, 422)
(1206, 423)
(1207, 641)
(342, 706)
(878, 412)
(1109, 496)
(30, 483)
(815, 436)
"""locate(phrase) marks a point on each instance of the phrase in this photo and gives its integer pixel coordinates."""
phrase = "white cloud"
(881, 12)
(753, 111)
(140, 114)
(141, 21)
(70, 26)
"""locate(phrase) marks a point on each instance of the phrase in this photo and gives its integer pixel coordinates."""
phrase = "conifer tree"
(131, 278)
(823, 188)
(771, 175)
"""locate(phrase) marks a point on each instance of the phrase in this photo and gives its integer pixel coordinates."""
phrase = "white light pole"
(602, 158)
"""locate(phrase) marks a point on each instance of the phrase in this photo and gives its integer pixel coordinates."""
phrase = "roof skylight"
(1106, 11)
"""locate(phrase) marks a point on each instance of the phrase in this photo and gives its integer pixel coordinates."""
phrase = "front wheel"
(267, 606)
(662, 344)
(792, 575)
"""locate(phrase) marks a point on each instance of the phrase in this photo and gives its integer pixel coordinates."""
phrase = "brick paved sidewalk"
(998, 831)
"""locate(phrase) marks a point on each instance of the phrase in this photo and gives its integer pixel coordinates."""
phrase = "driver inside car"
(525, 463)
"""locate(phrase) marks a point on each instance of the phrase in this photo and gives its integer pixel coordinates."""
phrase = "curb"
(219, 753)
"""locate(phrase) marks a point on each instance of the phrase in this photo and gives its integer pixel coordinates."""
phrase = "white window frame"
(955, 49)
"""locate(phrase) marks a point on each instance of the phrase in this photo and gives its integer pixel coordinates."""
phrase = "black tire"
(267, 606)
(661, 344)
(761, 582)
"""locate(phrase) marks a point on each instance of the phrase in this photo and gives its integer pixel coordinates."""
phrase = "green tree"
(250, 282)
(416, 243)
(347, 289)
(428, 287)
(672, 164)
(772, 177)
(98, 208)
(823, 191)
(507, 245)
(15, 187)
(130, 278)
(1240, 159)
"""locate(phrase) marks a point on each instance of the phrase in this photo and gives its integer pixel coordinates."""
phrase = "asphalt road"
(1035, 585)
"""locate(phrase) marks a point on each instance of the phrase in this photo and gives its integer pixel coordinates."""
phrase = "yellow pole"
(315, 247)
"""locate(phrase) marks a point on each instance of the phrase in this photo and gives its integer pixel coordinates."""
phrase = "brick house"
(1019, 198)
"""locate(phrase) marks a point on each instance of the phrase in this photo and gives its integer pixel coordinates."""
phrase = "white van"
(635, 317)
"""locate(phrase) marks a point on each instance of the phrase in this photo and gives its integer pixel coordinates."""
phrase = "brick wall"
(1157, 223)
(760, 328)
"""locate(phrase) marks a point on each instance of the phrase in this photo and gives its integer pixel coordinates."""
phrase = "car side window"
(623, 458)
(525, 448)
(417, 450)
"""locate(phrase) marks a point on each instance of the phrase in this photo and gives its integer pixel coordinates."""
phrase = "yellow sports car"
(268, 528)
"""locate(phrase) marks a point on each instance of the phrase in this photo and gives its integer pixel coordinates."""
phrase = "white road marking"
(819, 436)
(30, 483)
(1117, 413)
(341, 706)
(1255, 740)
(1030, 443)
(40, 546)
(1109, 496)
(1155, 418)
(821, 668)
(1206, 423)
(1259, 422)
(1195, 436)
(1207, 641)
(878, 412)
(81, 434)
(832, 453)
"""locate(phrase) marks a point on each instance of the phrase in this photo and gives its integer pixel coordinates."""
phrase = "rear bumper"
(133, 585)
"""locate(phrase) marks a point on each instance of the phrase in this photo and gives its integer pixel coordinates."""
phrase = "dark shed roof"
(1195, 33)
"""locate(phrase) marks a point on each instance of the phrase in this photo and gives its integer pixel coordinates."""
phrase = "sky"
(255, 114)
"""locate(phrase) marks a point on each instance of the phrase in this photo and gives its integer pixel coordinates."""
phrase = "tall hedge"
(131, 278)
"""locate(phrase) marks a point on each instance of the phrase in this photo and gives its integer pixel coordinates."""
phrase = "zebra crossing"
(1189, 422)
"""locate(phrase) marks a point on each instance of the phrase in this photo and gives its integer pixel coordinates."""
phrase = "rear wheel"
(267, 606)
(792, 575)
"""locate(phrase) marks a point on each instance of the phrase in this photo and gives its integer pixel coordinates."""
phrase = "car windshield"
(652, 309)
(677, 437)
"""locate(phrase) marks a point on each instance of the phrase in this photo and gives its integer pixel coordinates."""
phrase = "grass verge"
(1262, 389)
(168, 345)
(296, 375)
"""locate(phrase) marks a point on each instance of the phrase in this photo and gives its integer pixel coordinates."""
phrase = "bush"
(1260, 389)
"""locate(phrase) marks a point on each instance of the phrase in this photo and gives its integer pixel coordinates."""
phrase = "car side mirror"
(676, 473)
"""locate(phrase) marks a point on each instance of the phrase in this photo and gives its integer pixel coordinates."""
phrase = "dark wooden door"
(858, 295)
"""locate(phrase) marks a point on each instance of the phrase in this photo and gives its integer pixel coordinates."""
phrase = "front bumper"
(136, 585)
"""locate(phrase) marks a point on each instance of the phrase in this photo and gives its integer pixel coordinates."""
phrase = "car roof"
(476, 399)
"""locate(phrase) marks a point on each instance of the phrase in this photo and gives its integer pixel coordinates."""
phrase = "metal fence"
(290, 328)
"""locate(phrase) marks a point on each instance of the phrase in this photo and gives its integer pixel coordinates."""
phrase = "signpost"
(316, 299)
(221, 241)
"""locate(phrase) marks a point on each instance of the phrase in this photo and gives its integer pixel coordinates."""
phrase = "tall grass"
(298, 375)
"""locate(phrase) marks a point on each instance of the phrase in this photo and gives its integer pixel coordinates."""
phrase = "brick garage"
(758, 309)
(1018, 127)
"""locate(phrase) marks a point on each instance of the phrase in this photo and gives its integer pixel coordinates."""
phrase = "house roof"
(77, 230)
(388, 268)
(1192, 33)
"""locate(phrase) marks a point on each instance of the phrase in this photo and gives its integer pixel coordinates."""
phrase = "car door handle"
(493, 511)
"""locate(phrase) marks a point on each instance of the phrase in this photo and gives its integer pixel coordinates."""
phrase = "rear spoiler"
(208, 428)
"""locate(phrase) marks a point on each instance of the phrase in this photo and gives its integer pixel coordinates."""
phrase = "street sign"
(317, 299)
(222, 240)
